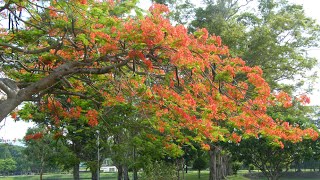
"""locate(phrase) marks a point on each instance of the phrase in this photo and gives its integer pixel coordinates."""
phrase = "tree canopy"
(275, 36)
(178, 81)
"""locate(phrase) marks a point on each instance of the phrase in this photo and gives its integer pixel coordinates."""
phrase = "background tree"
(7, 166)
(200, 163)
(273, 160)
(181, 10)
(5, 149)
(17, 154)
(276, 38)
(42, 151)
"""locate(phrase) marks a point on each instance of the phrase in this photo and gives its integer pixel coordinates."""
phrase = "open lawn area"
(110, 176)
(83, 175)
(191, 175)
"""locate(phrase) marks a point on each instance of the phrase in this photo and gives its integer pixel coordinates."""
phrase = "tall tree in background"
(17, 154)
(7, 166)
(181, 11)
(42, 150)
(276, 37)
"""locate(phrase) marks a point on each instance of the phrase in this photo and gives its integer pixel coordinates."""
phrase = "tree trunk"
(135, 171)
(186, 167)
(274, 177)
(219, 164)
(41, 174)
(229, 166)
(135, 174)
(182, 167)
(94, 174)
(213, 163)
(120, 172)
(299, 167)
(7, 106)
(199, 173)
(125, 173)
(76, 169)
(41, 164)
(223, 165)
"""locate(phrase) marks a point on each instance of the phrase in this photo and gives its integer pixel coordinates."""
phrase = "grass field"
(191, 175)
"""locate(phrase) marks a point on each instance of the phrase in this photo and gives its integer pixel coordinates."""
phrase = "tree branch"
(9, 87)
(102, 70)
(35, 51)
(6, 6)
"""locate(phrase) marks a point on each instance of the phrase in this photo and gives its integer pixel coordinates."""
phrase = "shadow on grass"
(286, 176)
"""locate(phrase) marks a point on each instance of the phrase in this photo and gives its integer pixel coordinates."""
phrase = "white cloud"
(11, 130)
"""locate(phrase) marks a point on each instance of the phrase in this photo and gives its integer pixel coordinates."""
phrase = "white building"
(107, 166)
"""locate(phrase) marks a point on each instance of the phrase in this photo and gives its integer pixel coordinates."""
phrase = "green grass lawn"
(191, 175)
(83, 175)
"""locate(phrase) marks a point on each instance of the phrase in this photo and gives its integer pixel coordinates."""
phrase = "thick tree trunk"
(76, 170)
(120, 172)
(7, 106)
(213, 163)
(222, 164)
(271, 175)
(94, 174)
(126, 173)
(229, 166)
(219, 164)
(275, 177)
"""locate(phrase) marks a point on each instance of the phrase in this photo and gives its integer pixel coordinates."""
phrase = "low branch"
(102, 70)
(9, 87)
(35, 51)
(144, 73)
(46, 83)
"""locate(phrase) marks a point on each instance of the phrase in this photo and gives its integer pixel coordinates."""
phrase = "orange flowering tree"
(178, 81)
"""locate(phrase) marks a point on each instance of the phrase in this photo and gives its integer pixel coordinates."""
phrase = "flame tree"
(177, 80)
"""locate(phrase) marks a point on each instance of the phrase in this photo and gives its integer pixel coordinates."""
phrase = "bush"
(236, 166)
(251, 167)
(159, 170)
